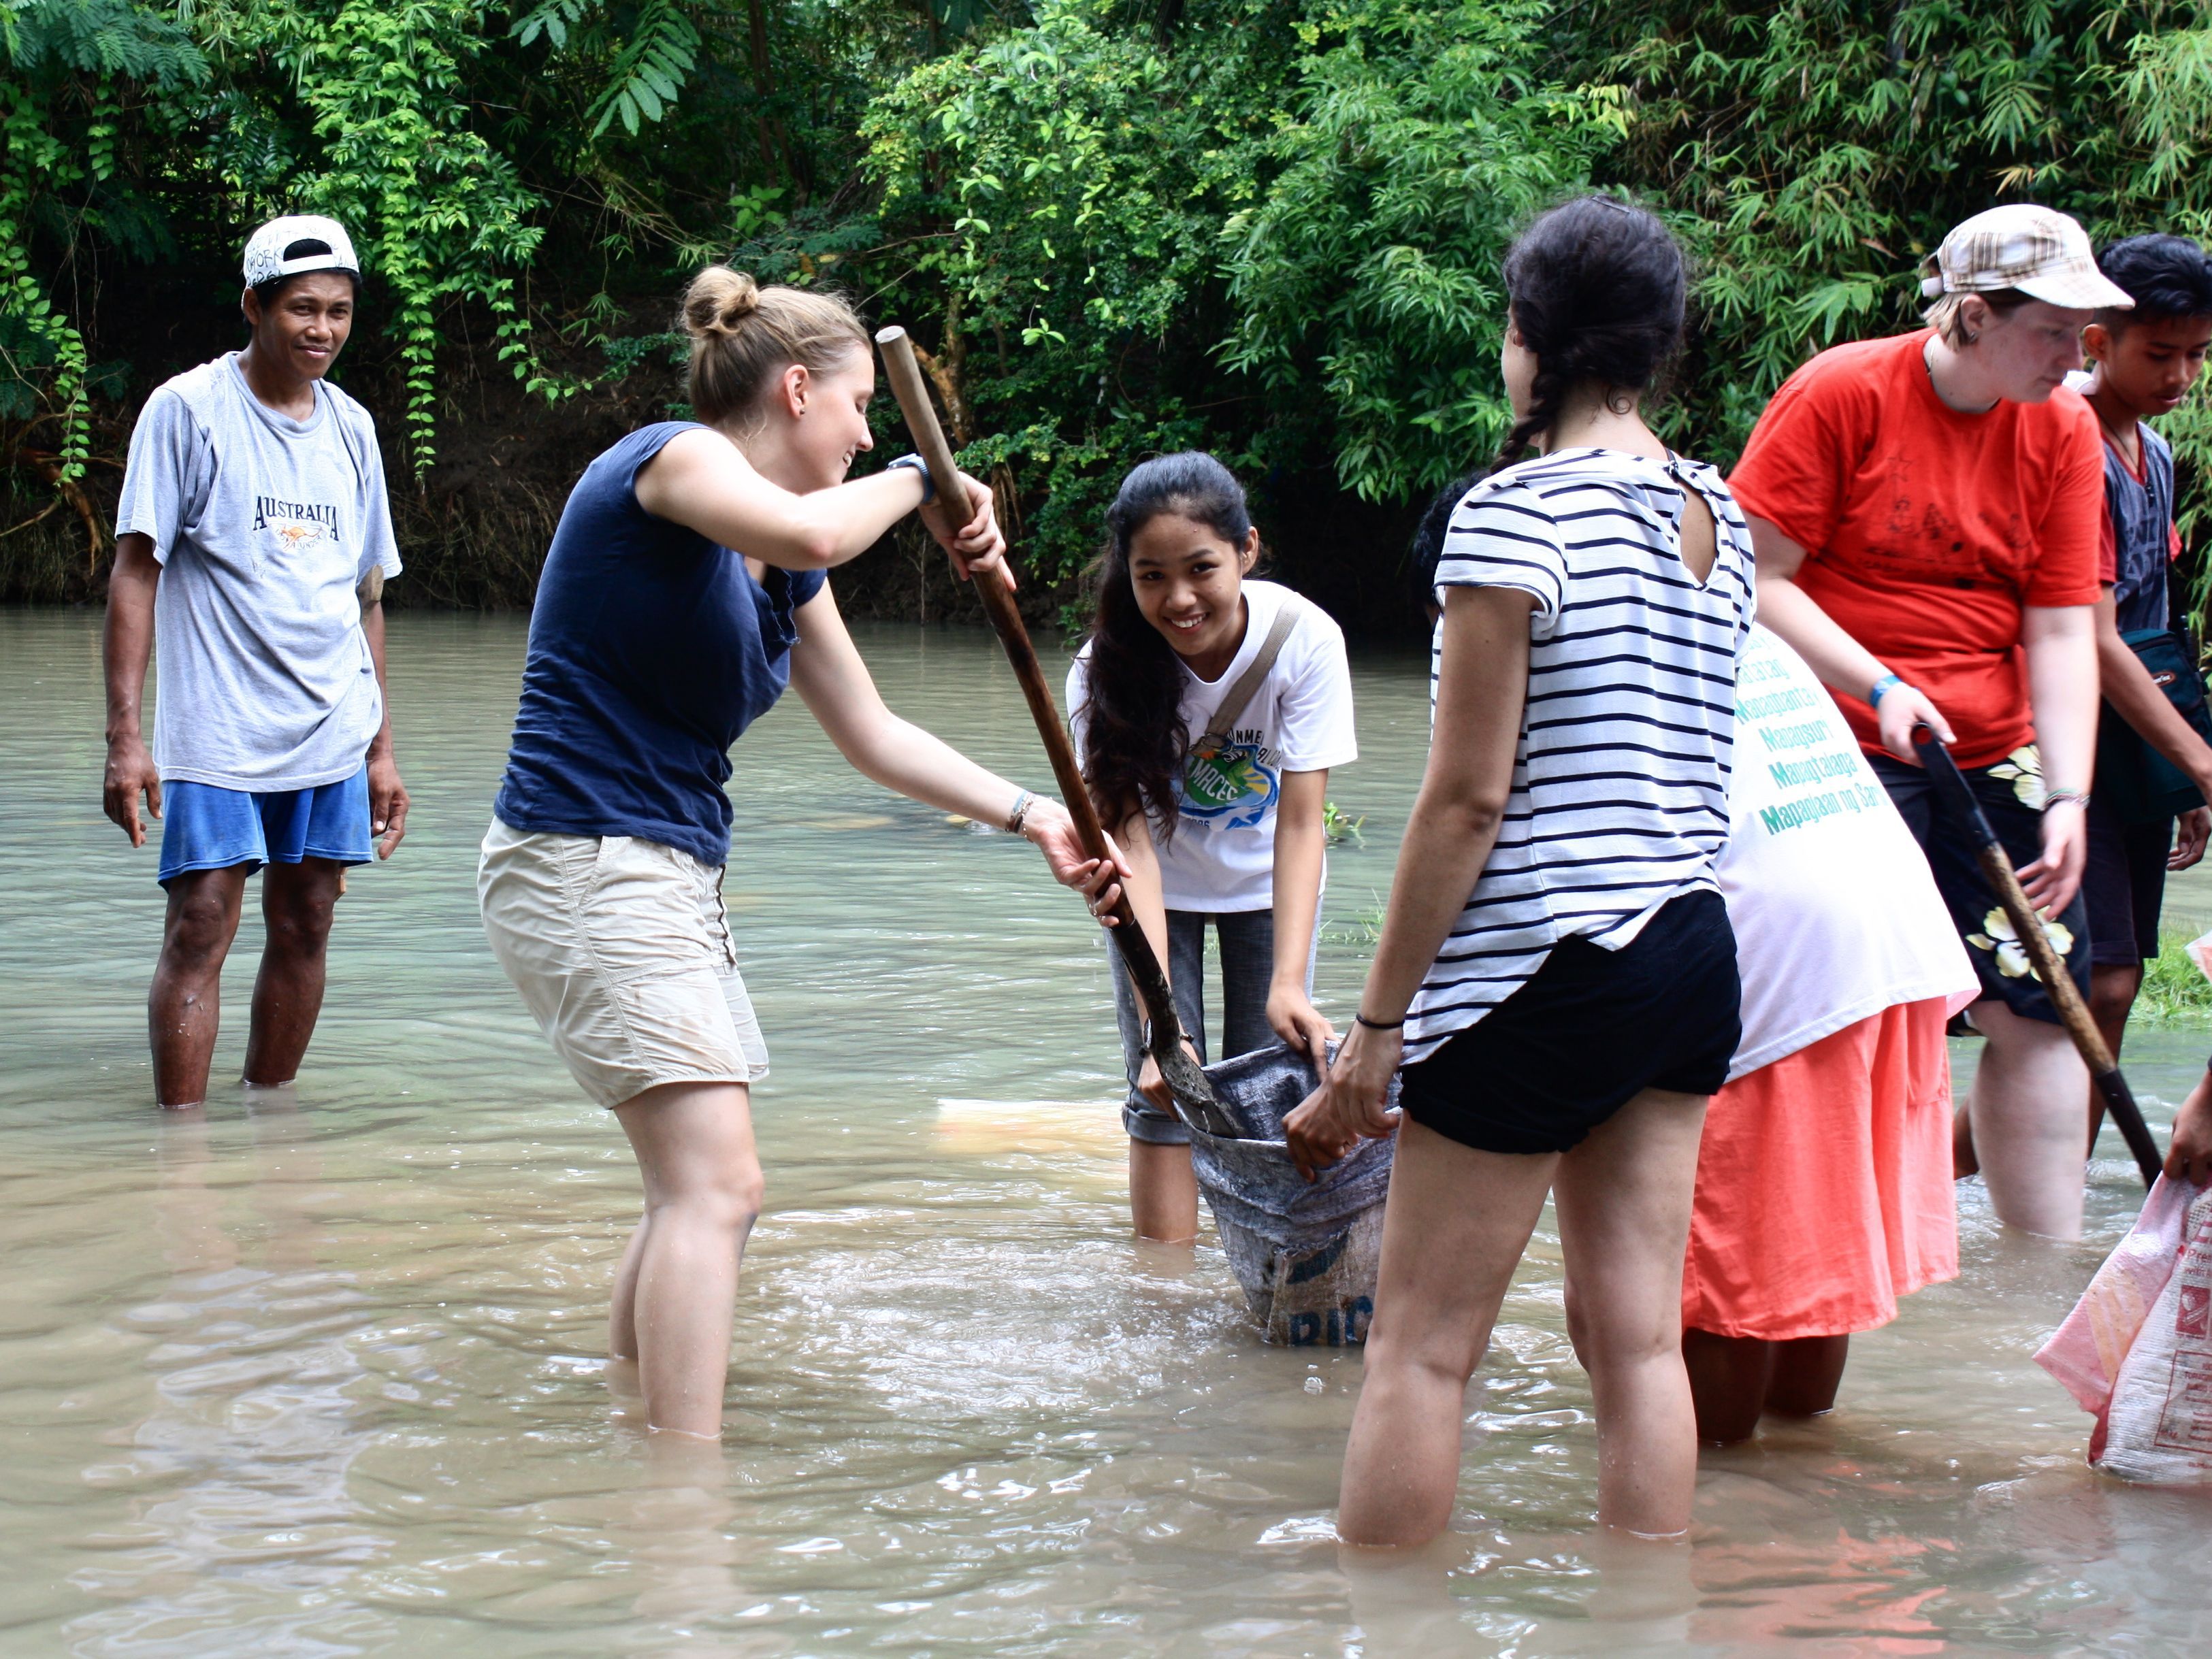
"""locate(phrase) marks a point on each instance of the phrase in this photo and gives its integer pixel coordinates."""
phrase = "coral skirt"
(1824, 1184)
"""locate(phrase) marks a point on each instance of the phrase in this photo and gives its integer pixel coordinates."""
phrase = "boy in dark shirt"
(2146, 360)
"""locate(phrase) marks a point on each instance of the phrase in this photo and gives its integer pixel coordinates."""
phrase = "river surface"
(319, 1372)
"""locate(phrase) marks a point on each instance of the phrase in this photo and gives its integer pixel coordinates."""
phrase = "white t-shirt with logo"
(1222, 855)
(264, 526)
(1835, 913)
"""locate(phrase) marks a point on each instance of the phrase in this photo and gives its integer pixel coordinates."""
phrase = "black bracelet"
(1378, 1024)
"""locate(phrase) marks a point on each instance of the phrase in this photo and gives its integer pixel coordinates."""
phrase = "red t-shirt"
(1927, 531)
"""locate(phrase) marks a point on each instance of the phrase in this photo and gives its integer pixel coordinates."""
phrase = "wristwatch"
(928, 484)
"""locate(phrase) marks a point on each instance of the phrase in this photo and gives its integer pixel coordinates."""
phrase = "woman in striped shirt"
(1556, 972)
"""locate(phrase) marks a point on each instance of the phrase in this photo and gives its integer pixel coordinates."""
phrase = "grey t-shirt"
(264, 526)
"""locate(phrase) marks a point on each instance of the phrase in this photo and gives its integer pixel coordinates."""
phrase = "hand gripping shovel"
(1952, 789)
(1194, 1096)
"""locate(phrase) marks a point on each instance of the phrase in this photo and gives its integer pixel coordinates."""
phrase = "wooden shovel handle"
(913, 394)
(2065, 995)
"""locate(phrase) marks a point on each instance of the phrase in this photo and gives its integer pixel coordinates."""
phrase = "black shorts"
(1587, 1033)
(1975, 912)
(2124, 885)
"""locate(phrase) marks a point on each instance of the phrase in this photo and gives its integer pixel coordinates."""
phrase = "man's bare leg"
(296, 900)
(184, 1007)
(2112, 991)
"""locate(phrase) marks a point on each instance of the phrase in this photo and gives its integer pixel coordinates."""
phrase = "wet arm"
(387, 796)
(1481, 689)
(1482, 686)
(827, 672)
(1840, 661)
(2129, 688)
(1301, 837)
(2061, 644)
(702, 481)
(1144, 887)
(127, 649)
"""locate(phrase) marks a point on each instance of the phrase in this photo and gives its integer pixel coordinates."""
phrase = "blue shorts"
(207, 828)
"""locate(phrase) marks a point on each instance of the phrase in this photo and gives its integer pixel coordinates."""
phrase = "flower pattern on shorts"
(1999, 937)
(2023, 769)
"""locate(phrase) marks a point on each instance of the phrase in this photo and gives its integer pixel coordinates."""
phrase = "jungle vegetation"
(1272, 227)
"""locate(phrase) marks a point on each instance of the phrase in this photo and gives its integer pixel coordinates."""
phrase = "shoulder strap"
(1248, 684)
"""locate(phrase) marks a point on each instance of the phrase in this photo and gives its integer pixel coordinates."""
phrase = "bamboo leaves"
(651, 69)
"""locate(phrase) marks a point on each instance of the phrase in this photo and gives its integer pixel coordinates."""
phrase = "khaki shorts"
(622, 949)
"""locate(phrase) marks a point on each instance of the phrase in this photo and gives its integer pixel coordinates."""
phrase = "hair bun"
(718, 302)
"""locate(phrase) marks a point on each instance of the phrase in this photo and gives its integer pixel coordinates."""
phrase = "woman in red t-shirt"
(1925, 510)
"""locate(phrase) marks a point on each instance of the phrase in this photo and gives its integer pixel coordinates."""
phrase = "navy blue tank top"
(651, 651)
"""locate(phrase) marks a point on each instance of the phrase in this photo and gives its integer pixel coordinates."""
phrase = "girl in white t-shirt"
(1208, 710)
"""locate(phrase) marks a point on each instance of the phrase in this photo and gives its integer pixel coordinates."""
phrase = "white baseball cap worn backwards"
(2036, 250)
(269, 250)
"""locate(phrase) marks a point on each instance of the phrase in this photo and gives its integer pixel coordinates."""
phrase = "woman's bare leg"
(694, 1143)
(1623, 1198)
(622, 1307)
(1807, 1371)
(1162, 1192)
(1729, 1378)
(1457, 1222)
(2027, 1107)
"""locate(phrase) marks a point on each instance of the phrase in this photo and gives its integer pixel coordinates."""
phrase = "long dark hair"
(1598, 290)
(1134, 741)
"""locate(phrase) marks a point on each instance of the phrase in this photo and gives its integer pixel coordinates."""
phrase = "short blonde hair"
(1943, 315)
(743, 335)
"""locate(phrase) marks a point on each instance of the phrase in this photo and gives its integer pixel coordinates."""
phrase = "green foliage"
(1365, 277)
(1272, 227)
(1813, 152)
(2175, 989)
(434, 210)
(1277, 231)
(1082, 174)
(76, 67)
(648, 68)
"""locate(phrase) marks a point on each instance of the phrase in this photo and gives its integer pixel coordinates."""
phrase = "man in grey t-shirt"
(253, 543)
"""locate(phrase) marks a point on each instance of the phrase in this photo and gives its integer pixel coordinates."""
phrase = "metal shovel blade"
(1194, 1096)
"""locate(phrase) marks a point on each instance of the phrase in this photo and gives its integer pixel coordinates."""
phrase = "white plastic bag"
(2137, 1348)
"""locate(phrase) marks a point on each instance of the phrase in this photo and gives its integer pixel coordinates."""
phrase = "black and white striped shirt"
(1619, 798)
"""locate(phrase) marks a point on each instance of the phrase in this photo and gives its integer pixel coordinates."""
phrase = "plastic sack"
(2136, 1351)
(2199, 950)
(1305, 1253)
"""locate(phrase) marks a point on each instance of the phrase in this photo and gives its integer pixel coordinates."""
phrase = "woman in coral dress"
(1824, 1175)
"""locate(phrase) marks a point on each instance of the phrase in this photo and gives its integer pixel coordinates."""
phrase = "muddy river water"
(318, 1373)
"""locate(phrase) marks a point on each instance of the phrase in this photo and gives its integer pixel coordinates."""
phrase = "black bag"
(2139, 784)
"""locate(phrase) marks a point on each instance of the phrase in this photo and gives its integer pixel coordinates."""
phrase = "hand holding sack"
(2137, 1348)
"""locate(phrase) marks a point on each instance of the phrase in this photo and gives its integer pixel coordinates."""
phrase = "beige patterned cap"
(2037, 249)
(270, 252)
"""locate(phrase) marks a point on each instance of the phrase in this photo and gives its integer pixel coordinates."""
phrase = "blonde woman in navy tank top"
(684, 589)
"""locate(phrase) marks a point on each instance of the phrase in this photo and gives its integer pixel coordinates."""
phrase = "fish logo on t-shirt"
(1233, 786)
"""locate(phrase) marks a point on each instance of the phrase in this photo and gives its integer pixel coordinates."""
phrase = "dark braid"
(1598, 290)
(1133, 740)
